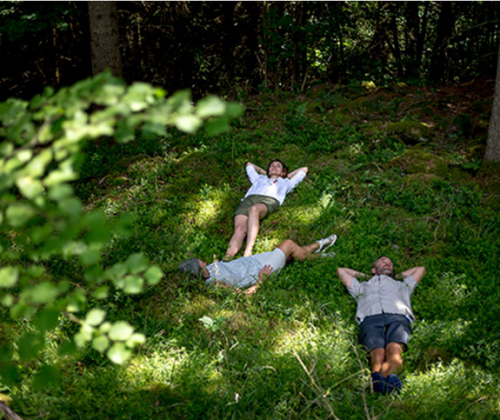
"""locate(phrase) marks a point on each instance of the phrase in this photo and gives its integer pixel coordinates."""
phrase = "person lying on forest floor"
(251, 272)
(265, 196)
(384, 315)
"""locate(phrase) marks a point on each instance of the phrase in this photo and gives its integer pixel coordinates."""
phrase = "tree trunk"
(439, 64)
(493, 144)
(104, 37)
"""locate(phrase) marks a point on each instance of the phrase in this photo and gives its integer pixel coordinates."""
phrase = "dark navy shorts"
(376, 331)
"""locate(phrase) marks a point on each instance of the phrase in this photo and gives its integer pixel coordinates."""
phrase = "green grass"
(290, 351)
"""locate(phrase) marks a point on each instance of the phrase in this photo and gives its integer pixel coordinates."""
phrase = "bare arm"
(259, 170)
(416, 272)
(292, 174)
(264, 274)
(347, 275)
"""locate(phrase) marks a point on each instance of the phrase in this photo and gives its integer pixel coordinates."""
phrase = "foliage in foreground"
(392, 171)
(43, 224)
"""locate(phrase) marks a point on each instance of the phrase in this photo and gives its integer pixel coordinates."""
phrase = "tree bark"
(493, 144)
(104, 37)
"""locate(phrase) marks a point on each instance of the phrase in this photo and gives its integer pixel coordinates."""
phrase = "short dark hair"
(285, 168)
(191, 266)
(379, 258)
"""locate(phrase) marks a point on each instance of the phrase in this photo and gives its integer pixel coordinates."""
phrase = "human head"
(193, 266)
(285, 169)
(383, 265)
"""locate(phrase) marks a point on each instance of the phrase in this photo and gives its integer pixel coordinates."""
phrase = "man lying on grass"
(384, 315)
(250, 272)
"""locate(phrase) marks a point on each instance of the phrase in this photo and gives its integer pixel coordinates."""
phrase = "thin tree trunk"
(104, 37)
(493, 143)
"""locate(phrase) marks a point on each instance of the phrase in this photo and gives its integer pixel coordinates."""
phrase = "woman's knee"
(258, 210)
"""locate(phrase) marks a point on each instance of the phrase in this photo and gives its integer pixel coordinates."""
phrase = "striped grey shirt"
(382, 294)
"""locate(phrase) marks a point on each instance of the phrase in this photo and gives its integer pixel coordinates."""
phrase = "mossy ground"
(291, 350)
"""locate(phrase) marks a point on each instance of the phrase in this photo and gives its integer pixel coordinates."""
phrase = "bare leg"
(393, 359)
(297, 252)
(240, 231)
(377, 359)
(257, 212)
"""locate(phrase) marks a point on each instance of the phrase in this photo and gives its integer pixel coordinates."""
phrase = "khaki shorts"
(271, 204)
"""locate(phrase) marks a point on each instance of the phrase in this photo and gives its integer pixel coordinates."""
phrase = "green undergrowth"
(390, 172)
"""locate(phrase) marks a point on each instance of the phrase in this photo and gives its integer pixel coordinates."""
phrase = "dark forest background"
(224, 47)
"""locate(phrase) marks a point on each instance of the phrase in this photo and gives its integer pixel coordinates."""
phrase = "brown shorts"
(271, 204)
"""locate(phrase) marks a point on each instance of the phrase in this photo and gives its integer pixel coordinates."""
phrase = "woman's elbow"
(305, 169)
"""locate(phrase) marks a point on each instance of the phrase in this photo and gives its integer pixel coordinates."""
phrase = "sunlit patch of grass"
(159, 367)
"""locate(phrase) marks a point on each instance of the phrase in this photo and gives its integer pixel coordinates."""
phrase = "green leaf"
(235, 110)
(136, 263)
(47, 376)
(47, 319)
(19, 214)
(101, 292)
(44, 293)
(9, 373)
(217, 126)
(136, 340)
(7, 300)
(120, 331)
(100, 343)
(90, 256)
(153, 275)
(95, 317)
(71, 206)
(187, 123)
(210, 106)
(29, 187)
(119, 354)
(8, 276)
(60, 191)
(6, 148)
(29, 345)
(133, 284)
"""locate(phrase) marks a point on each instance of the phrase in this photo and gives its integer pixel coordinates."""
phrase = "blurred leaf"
(47, 319)
(60, 191)
(95, 317)
(136, 263)
(235, 110)
(47, 376)
(18, 214)
(44, 293)
(188, 123)
(29, 187)
(67, 348)
(118, 353)
(133, 284)
(71, 206)
(210, 106)
(120, 331)
(29, 345)
(9, 373)
(101, 292)
(8, 276)
(153, 275)
(135, 340)
(217, 126)
(101, 343)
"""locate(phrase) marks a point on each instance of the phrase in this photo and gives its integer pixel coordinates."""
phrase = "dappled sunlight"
(159, 367)
(453, 383)
(209, 207)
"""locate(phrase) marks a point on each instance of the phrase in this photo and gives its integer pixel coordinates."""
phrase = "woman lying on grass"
(265, 196)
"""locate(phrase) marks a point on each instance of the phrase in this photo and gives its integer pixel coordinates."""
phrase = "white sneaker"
(326, 243)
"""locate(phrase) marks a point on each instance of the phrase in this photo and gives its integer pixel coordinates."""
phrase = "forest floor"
(393, 171)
